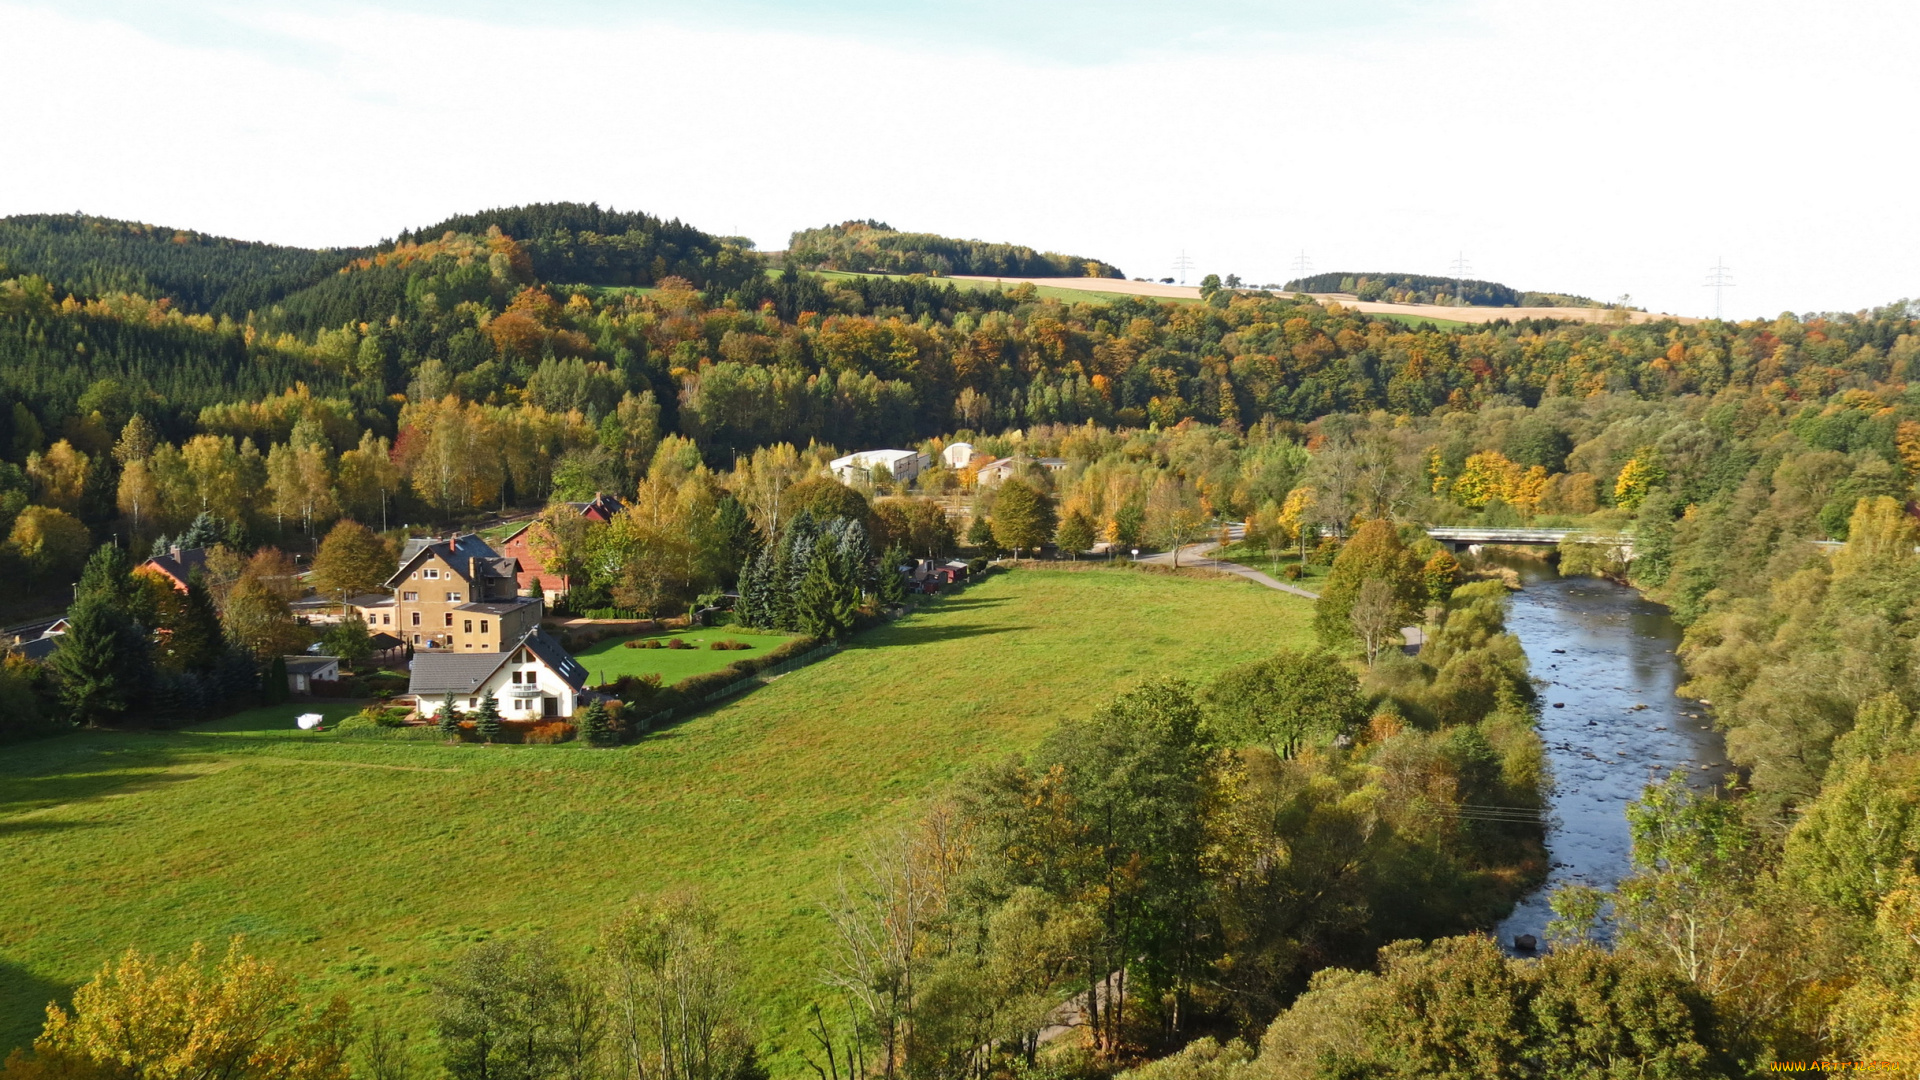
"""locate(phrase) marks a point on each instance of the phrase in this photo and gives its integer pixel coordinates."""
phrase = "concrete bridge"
(1468, 537)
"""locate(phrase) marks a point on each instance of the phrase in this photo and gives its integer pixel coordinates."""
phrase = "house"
(177, 565)
(517, 546)
(600, 508)
(998, 470)
(455, 593)
(534, 679)
(957, 456)
(37, 642)
(304, 671)
(858, 468)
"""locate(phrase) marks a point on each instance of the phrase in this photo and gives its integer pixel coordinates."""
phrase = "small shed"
(304, 671)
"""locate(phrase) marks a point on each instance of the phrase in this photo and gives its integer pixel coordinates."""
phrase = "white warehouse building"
(854, 468)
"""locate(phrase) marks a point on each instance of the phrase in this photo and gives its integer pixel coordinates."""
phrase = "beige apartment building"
(453, 593)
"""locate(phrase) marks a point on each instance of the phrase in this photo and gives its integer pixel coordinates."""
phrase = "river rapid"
(1610, 720)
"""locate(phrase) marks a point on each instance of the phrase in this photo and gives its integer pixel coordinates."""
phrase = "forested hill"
(876, 246)
(213, 275)
(1425, 289)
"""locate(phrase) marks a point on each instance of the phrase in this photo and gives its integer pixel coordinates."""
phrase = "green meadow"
(363, 862)
(608, 660)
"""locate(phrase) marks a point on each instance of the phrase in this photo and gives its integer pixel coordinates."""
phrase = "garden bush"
(678, 643)
(729, 645)
(548, 733)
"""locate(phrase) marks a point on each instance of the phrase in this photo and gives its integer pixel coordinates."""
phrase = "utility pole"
(1461, 268)
(1182, 265)
(1302, 266)
(1719, 278)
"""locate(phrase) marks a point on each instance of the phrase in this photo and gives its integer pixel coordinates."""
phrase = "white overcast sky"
(1595, 148)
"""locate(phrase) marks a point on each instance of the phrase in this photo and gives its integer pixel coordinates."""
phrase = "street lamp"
(1136, 553)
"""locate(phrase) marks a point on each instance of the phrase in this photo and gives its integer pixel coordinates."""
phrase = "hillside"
(364, 862)
(863, 246)
(1397, 288)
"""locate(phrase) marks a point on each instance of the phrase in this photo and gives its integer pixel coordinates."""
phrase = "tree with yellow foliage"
(141, 1019)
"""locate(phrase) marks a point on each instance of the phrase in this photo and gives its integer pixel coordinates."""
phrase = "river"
(1610, 720)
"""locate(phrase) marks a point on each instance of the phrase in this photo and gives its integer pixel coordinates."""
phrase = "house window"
(410, 596)
(372, 619)
(386, 620)
(467, 628)
(416, 622)
(473, 703)
(432, 574)
(415, 575)
(416, 639)
(483, 626)
(449, 618)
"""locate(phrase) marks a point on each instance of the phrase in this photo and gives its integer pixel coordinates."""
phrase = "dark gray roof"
(459, 553)
(179, 564)
(384, 641)
(499, 607)
(307, 665)
(550, 652)
(500, 567)
(437, 672)
(38, 648)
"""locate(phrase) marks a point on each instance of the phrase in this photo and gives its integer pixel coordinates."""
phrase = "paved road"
(1195, 555)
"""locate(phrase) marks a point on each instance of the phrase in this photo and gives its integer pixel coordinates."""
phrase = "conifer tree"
(450, 717)
(104, 660)
(486, 722)
(596, 725)
(893, 586)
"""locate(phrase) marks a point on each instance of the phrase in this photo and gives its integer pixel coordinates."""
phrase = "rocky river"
(1610, 720)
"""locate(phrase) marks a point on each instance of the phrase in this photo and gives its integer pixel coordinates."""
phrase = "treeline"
(1426, 289)
(196, 273)
(876, 247)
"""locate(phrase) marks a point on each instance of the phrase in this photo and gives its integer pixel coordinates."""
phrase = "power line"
(1461, 268)
(1719, 279)
(1182, 264)
(1302, 266)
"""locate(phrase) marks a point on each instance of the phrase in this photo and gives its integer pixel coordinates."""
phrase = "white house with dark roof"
(533, 679)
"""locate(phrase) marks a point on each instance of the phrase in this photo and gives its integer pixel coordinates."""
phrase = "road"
(1195, 555)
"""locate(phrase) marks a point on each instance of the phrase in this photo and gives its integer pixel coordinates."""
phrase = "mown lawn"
(363, 863)
(610, 659)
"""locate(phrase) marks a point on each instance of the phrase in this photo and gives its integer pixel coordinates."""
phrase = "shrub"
(358, 722)
(976, 565)
(650, 643)
(678, 643)
(729, 645)
(549, 732)
(1292, 572)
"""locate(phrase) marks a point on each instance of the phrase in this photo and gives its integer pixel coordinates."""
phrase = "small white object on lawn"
(308, 720)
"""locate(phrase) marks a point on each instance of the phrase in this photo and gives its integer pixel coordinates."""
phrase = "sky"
(1601, 149)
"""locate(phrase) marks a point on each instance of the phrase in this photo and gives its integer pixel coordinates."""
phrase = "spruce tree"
(596, 726)
(450, 717)
(195, 640)
(104, 661)
(893, 585)
(486, 722)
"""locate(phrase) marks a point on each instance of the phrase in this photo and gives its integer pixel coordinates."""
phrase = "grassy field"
(1045, 292)
(610, 659)
(1311, 573)
(363, 863)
